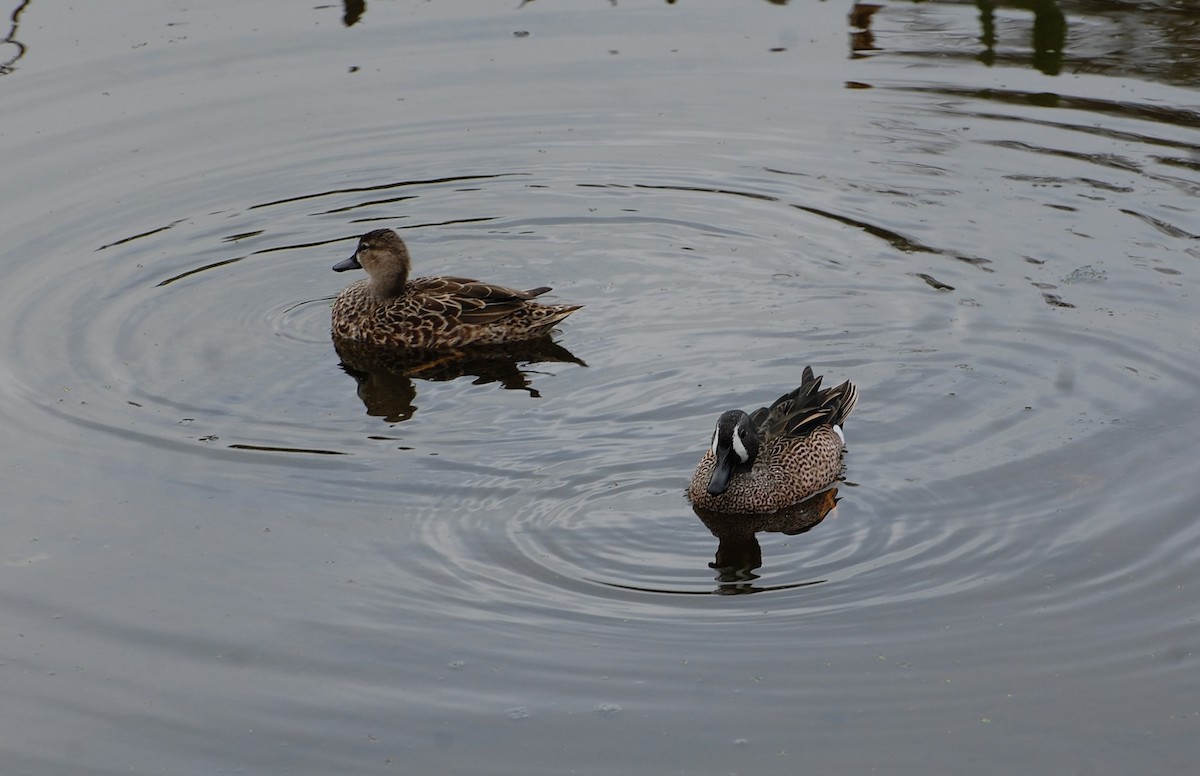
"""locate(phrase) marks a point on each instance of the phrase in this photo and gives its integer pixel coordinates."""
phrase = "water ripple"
(1005, 372)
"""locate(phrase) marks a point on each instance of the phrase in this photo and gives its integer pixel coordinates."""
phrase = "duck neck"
(390, 282)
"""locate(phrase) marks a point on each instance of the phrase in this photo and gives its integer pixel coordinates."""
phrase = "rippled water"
(229, 552)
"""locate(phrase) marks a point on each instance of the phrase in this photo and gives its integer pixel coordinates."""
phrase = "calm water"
(226, 554)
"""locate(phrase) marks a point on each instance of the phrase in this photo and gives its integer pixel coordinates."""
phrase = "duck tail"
(841, 401)
(554, 314)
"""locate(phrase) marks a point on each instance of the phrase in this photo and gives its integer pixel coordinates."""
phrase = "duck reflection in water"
(738, 552)
(385, 375)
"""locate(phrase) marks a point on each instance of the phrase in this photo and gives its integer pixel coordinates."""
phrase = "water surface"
(226, 553)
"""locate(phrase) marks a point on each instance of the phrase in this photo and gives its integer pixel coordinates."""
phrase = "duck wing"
(471, 301)
(800, 412)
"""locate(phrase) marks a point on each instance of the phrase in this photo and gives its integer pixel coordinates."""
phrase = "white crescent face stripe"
(739, 447)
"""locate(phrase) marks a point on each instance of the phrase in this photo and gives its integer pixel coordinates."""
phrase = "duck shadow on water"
(739, 553)
(385, 376)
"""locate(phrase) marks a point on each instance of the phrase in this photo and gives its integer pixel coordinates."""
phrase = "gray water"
(226, 554)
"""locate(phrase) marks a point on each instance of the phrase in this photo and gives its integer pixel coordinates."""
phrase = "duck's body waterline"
(388, 309)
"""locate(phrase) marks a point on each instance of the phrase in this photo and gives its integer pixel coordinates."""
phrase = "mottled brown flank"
(801, 453)
(424, 317)
(388, 309)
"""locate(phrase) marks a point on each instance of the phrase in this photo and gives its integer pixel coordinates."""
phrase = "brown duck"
(390, 309)
(776, 456)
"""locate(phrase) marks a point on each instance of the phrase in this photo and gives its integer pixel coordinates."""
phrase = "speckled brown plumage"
(388, 309)
(777, 455)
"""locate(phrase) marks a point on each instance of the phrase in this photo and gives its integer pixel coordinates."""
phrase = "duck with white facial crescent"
(775, 456)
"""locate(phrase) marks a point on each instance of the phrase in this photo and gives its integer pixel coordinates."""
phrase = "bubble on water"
(607, 709)
(1085, 274)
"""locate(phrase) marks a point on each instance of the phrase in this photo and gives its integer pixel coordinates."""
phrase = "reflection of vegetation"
(1143, 38)
(1049, 32)
(354, 11)
(861, 37)
(7, 66)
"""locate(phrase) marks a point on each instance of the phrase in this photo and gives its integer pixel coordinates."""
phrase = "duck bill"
(345, 264)
(722, 473)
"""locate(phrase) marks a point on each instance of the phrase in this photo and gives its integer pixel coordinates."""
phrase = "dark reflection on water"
(278, 449)
(141, 235)
(224, 262)
(1046, 40)
(9, 65)
(354, 11)
(898, 241)
(1149, 112)
(388, 186)
(1149, 39)
(861, 36)
(739, 553)
(385, 375)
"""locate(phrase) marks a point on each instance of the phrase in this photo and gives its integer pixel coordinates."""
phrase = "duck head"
(385, 258)
(735, 445)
